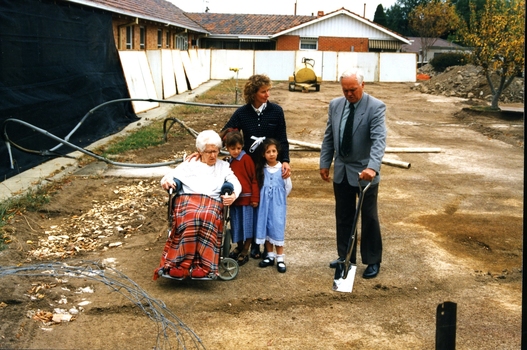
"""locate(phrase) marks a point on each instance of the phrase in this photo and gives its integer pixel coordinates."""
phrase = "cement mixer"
(304, 77)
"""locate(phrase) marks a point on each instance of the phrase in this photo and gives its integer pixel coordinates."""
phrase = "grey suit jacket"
(368, 140)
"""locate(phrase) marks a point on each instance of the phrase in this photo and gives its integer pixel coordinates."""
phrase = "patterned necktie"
(345, 145)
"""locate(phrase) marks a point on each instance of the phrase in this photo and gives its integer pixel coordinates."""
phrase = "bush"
(445, 60)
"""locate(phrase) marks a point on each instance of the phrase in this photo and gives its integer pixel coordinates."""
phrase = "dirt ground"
(451, 225)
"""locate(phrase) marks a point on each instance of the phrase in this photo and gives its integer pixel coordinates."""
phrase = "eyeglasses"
(211, 152)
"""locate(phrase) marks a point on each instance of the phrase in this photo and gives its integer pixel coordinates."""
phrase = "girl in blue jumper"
(270, 227)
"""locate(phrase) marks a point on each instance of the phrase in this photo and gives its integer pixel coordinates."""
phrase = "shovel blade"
(345, 285)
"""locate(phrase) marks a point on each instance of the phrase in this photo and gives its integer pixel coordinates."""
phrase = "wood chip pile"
(104, 226)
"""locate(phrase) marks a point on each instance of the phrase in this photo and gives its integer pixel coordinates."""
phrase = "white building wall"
(341, 26)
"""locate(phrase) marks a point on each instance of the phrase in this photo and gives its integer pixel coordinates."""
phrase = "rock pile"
(468, 82)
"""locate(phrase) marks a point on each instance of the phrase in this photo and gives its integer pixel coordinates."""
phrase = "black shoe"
(242, 259)
(255, 252)
(372, 271)
(335, 262)
(266, 262)
(280, 266)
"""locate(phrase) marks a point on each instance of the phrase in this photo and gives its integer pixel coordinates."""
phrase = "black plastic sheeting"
(57, 62)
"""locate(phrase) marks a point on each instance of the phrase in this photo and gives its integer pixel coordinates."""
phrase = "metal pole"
(446, 326)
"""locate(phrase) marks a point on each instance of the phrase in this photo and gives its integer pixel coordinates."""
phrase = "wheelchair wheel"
(226, 248)
(228, 269)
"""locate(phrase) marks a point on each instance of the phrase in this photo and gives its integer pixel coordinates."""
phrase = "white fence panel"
(179, 72)
(204, 64)
(169, 82)
(397, 67)
(190, 71)
(277, 65)
(316, 56)
(366, 61)
(222, 60)
(329, 66)
(138, 79)
(154, 62)
(199, 66)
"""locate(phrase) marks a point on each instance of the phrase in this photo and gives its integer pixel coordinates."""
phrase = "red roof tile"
(246, 24)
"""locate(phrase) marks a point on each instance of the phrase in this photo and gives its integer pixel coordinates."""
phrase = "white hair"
(208, 137)
(356, 72)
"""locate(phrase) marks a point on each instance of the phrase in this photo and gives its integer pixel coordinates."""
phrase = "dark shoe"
(242, 259)
(264, 253)
(255, 252)
(235, 253)
(266, 262)
(372, 271)
(280, 266)
(335, 262)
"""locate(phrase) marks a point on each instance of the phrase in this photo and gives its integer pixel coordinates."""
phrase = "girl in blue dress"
(270, 227)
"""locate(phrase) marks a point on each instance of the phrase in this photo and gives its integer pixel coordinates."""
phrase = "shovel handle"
(353, 237)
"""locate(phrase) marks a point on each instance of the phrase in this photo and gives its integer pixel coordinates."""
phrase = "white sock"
(280, 258)
(270, 255)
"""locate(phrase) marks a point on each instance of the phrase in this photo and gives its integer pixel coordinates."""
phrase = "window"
(308, 43)
(168, 39)
(142, 36)
(159, 38)
(129, 37)
(181, 41)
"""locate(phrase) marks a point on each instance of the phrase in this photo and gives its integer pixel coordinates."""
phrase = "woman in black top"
(259, 119)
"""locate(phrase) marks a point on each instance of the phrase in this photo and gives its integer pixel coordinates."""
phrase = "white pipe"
(396, 163)
(387, 150)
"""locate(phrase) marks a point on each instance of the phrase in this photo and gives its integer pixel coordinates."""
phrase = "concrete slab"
(512, 109)
(55, 169)
(95, 168)
(158, 172)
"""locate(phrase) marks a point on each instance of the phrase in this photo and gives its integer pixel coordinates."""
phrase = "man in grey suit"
(356, 146)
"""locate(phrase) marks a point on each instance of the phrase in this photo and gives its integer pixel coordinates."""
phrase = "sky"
(283, 7)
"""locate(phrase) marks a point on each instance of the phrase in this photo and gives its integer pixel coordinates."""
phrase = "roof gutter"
(91, 4)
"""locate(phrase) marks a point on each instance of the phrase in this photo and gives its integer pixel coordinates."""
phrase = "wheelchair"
(227, 268)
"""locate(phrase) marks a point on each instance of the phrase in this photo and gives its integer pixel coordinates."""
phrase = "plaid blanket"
(195, 239)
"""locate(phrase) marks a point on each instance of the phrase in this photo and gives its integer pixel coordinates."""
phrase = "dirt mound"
(468, 82)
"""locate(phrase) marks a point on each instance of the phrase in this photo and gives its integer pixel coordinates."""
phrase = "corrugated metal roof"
(155, 10)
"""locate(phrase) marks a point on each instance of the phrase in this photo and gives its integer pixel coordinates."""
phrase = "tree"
(397, 15)
(380, 16)
(463, 7)
(497, 35)
(432, 20)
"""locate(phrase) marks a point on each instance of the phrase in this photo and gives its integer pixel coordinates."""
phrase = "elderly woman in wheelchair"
(203, 186)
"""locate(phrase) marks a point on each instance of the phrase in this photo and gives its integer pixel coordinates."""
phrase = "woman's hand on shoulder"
(286, 170)
(194, 155)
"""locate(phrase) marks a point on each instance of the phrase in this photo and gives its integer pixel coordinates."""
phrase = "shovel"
(345, 271)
